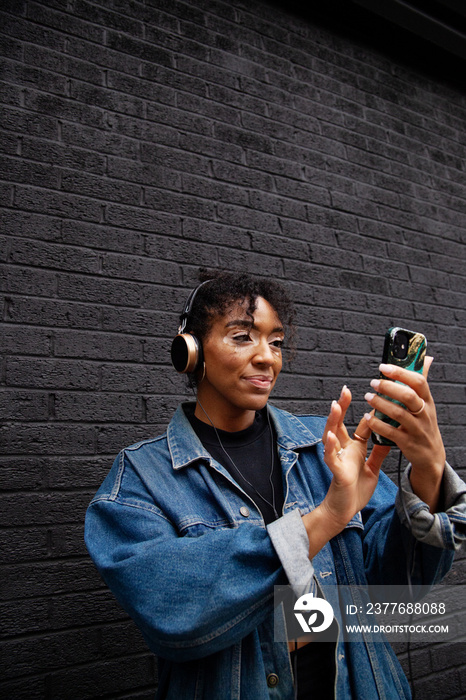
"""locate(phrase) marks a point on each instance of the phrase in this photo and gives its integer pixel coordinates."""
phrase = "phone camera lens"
(400, 346)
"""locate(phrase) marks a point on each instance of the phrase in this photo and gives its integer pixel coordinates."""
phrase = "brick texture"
(141, 139)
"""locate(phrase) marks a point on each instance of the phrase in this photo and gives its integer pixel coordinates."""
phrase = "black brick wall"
(141, 139)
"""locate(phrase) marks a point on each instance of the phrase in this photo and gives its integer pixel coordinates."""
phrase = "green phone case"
(414, 361)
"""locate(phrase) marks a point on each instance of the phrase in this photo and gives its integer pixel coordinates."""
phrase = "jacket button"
(272, 680)
(244, 511)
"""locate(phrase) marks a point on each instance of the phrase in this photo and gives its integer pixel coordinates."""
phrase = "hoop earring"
(203, 374)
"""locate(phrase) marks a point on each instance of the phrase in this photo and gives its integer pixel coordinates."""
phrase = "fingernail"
(369, 397)
(375, 384)
(386, 369)
(343, 390)
(367, 416)
(334, 403)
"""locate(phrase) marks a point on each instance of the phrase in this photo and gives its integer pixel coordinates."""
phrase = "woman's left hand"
(418, 435)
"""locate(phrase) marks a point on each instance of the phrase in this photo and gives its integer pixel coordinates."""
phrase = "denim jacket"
(187, 554)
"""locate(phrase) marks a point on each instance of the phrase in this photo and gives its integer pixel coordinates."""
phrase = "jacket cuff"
(446, 529)
(290, 540)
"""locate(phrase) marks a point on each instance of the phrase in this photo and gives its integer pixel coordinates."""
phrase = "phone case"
(414, 361)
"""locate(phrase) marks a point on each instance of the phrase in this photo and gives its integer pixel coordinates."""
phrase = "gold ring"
(418, 413)
(358, 437)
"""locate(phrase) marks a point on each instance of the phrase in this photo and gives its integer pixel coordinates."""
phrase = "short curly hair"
(227, 288)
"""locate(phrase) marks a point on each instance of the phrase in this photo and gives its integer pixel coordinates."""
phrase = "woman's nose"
(264, 353)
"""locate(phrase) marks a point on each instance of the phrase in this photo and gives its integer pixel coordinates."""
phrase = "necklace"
(272, 459)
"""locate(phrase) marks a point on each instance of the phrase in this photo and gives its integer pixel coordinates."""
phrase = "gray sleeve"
(289, 537)
(445, 529)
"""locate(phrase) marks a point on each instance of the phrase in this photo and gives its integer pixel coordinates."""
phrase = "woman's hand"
(418, 435)
(354, 477)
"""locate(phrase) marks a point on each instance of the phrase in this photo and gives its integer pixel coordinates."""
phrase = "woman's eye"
(243, 338)
(277, 343)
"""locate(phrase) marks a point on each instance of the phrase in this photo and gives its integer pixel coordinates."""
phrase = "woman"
(192, 530)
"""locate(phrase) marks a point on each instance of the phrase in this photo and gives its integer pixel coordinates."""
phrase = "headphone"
(186, 350)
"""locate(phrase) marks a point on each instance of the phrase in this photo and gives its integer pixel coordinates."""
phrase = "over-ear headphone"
(186, 351)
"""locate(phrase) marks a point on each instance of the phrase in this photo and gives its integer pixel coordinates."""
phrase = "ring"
(361, 439)
(418, 413)
(339, 452)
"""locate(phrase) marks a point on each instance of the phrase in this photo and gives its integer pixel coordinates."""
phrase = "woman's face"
(243, 359)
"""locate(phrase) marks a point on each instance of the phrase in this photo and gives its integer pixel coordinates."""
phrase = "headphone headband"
(188, 306)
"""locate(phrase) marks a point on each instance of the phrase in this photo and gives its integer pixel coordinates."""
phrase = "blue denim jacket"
(187, 555)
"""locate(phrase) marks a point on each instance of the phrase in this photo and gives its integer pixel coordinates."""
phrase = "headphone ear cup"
(186, 353)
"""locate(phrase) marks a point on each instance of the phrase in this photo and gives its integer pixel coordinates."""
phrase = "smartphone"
(406, 349)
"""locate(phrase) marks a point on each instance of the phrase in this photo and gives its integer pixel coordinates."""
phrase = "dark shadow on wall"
(429, 37)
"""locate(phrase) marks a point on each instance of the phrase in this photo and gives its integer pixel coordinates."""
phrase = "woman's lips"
(259, 381)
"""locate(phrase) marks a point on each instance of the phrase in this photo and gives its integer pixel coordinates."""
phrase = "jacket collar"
(292, 433)
(186, 448)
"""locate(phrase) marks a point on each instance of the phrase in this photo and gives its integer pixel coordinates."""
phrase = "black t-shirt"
(314, 669)
(248, 455)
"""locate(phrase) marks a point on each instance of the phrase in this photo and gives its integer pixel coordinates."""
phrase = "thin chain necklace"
(272, 458)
